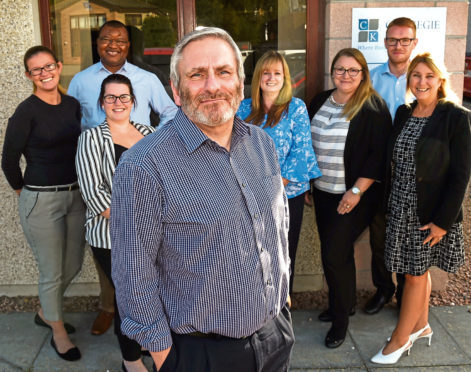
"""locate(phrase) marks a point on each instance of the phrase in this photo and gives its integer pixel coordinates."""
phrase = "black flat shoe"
(70, 355)
(68, 328)
(325, 316)
(335, 338)
(376, 303)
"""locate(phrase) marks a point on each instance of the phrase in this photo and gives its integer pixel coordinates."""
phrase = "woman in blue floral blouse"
(286, 121)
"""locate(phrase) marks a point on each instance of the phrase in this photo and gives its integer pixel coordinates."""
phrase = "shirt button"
(255, 216)
(244, 184)
(271, 312)
(268, 282)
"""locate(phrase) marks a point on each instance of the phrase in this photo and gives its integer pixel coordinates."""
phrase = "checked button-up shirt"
(199, 234)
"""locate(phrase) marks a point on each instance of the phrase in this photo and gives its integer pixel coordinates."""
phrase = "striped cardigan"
(95, 163)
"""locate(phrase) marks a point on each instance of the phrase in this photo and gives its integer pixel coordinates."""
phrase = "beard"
(214, 114)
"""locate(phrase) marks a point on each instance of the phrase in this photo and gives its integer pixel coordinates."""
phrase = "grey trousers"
(53, 223)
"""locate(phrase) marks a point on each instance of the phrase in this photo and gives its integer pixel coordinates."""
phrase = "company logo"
(368, 30)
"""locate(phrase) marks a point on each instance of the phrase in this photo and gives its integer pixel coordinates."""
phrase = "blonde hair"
(445, 93)
(365, 93)
(284, 96)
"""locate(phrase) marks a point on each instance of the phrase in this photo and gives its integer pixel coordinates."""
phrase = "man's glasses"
(124, 98)
(119, 42)
(391, 41)
(352, 72)
(38, 70)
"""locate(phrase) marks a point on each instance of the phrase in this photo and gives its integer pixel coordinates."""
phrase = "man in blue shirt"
(389, 80)
(113, 46)
(199, 226)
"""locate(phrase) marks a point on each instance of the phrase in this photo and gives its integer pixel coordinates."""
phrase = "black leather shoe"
(325, 316)
(70, 355)
(68, 327)
(376, 303)
(335, 337)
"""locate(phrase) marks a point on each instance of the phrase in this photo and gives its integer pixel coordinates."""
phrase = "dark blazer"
(364, 154)
(443, 162)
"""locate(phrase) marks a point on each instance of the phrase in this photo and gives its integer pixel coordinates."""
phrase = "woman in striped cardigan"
(99, 150)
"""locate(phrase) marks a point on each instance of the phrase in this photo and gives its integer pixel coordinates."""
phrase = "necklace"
(331, 100)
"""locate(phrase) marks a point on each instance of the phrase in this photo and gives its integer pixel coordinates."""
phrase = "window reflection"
(152, 25)
(260, 25)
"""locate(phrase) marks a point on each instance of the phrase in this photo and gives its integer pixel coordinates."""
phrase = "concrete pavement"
(26, 347)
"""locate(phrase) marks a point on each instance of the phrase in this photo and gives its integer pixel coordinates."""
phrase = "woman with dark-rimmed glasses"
(98, 154)
(350, 126)
(45, 129)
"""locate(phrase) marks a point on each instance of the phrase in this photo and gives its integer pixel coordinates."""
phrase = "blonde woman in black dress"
(430, 158)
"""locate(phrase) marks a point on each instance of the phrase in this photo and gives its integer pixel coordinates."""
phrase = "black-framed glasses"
(391, 41)
(352, 72)
(107, 41)
(111, 98)
(38, 70)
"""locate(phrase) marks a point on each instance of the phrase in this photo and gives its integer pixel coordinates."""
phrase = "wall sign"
(369, 29)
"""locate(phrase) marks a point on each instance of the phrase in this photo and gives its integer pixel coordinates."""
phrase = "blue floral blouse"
(292, 137)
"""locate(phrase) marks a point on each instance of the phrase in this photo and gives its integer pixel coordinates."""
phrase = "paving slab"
(309, 350)
(370, 332)
(457, 321)
(20, 339)
(466, 368)
(99, 353)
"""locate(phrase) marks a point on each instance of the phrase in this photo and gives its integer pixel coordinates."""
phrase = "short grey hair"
(200, 34)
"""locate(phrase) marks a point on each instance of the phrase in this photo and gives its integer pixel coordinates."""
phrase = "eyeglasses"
(391, 41)
(38, 70)
(352, 72)
(106, 41)
(124, 98)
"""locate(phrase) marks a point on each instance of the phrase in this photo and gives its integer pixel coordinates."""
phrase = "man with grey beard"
(199, 226)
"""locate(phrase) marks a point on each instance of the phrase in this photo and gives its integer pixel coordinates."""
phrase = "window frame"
(186, 18)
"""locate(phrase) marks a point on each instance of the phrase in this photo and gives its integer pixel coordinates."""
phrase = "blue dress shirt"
(149, 91)
(198, 234)
(389, 87)
(292, 137)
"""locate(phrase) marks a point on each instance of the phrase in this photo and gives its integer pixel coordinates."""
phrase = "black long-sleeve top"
(47, 136)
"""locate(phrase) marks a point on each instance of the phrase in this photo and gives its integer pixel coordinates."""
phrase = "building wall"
(338, 36)
(20, 30)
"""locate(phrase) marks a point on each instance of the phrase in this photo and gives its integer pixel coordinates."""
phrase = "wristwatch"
(356, 191)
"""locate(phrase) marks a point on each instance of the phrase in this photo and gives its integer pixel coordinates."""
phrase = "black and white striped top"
(329, 129)
(95, 163)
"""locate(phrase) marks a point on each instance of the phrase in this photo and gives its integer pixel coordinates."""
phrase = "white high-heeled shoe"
(393, 357)
(416, 335)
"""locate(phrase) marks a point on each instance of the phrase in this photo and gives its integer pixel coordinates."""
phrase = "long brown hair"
(284, 96)
(365, 93)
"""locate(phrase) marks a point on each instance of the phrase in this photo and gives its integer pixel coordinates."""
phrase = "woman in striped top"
(350, 126)
(99, 150)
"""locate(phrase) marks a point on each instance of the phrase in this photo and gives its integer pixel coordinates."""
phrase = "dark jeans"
(296, 209)
(267, 350)
(130, 349)
(382, 278)
(337, 234)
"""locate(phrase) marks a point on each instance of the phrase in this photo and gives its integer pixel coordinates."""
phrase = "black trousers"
(382, 278)
(337, 234)
(267, 350)
(130, 349)
(296, 209)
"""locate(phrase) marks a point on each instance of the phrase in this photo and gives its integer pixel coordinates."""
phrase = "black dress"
(405, 252)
